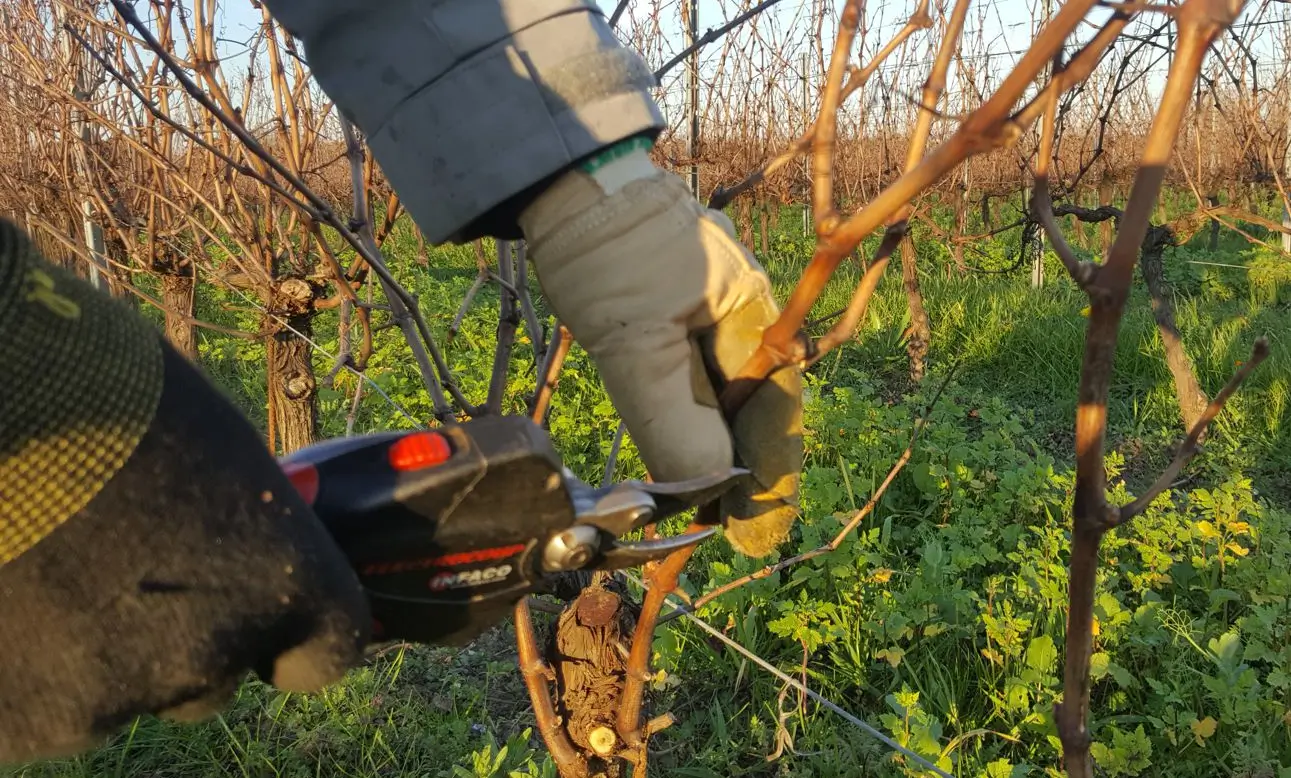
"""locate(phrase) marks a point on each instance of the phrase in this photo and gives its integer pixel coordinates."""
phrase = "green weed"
(940, 619)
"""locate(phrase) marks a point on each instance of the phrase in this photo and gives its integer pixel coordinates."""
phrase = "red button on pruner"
(419, 450)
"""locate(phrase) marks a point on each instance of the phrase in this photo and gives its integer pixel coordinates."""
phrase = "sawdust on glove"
(669, 305)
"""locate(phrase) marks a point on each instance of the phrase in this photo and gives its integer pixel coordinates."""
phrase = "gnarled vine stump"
(587, 653)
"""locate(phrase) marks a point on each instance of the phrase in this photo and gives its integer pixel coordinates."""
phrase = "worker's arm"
(527, 118)
(151, 550)
(472, 106)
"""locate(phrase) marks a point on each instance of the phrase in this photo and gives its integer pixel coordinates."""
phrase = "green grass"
(941, 619)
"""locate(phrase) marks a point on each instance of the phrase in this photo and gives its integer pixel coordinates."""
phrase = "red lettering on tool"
(457, 559)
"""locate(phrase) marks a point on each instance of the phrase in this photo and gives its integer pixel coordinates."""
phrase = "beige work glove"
(664, 299)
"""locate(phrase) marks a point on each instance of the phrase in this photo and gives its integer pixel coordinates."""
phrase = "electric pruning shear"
(448, 528)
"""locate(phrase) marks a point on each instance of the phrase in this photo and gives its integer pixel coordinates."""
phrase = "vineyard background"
(941, 619)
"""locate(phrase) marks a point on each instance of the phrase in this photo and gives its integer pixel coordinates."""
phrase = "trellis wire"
(799, 685)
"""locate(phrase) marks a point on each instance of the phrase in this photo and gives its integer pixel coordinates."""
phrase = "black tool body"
(444, 528)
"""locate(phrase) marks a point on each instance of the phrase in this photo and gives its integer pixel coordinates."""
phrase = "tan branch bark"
(537, 679)
(1200, 22)
(661, 580)
(822, 168)
(549, 373)
(989, 126)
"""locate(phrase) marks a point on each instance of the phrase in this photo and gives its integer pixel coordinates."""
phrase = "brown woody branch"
(481, 278)
(990, 126)
(709, 36)
(898, 225)
(537, 678)
(250, 270)
(508, 320)
(81, 252)
(1079, 68)
(1214, 212)
(782, 344)
(1064, 77)
(946, 235)
(661, 579)
(403, 309)
(860, 301)
(530, 317)
(549, 373)
(352, 306)
(312, 206)
(352, 415)
(612, 460)
(852, 523)
(1190, 446)
(220, 154)
(1200, 22)
(1042, 204)
(856, 79)
(822, 168)
(537, 675)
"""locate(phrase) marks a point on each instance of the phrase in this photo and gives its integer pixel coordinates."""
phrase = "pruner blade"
(624, 554)
(630, 505)
(677, 496)
(617, 510)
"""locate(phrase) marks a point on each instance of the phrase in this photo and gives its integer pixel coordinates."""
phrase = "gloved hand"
(151, 550)
(478, 104)
(667, 303)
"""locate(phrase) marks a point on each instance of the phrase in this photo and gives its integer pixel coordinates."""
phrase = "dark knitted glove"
(151, 551)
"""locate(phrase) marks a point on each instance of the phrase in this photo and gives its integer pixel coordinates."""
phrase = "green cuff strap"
(617, 151)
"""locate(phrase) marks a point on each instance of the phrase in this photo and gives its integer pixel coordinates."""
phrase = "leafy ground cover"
(940, 620)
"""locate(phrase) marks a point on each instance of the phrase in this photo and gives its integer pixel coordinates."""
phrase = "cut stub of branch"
(584, 652)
